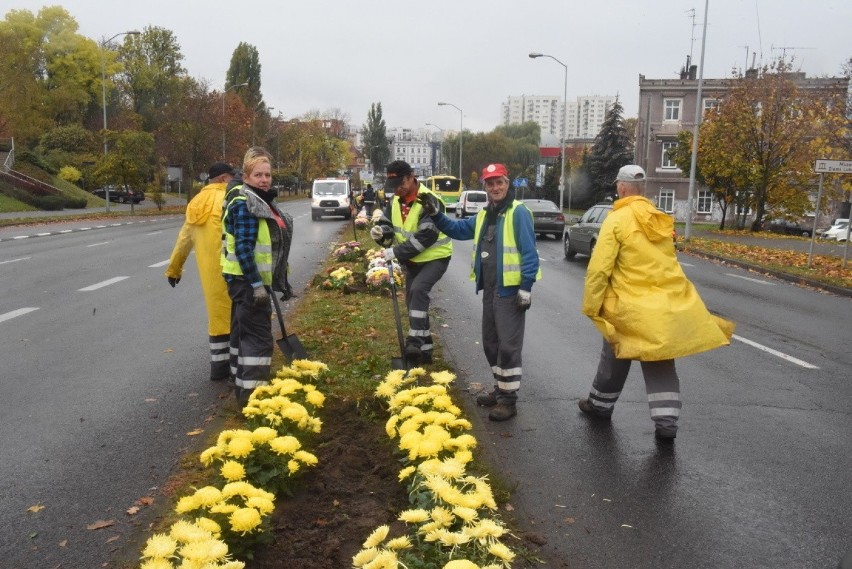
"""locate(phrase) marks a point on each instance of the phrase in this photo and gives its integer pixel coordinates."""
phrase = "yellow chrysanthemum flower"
(209, 525)
(204, 551)
(364, 556)
(187, 504)
(208, 496)
(463, 456)
(305, 457)
(285, 445)
(385, 390)
(311, 366)
(399, 543)
(315, 398)
(293, 466)
(384, 560)
(224, 508)
(467, 514)
(461, 564)
(160, 545)
(240, 447)
(486, 528)
(443, 377)
(442, 516)
(187, 532)
(245, 520)
(263, 434)
(451, 538)
(262, 505)
(501, 551)
(406, 472)
(209, 455)
(239, 488)
(414, 516)
(379, 534)
(233, 471)
(432, 535)
(390, 426)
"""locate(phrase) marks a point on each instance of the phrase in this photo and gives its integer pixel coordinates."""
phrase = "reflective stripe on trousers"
(220, 356)
(419, 280)
(503, 325)
(251, 336)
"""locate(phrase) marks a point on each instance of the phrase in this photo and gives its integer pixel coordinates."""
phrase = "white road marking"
(101, 243)
(20, 237)
(781, 355)
(758, 281)
(15, 260)
(160, 264)
(66, 231)
(686, 265)
(102, 284)
(100, 226)
(154, 233)
(42, 234)
(16, 313)
(85, 228)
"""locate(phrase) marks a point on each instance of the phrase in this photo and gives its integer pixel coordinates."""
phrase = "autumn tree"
(130, 162)
(374, 133)
(245, 68)
(611, 151)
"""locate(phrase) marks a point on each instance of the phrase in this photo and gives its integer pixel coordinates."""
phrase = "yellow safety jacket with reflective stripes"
(403, 230)
(511, 258)
(262, 249)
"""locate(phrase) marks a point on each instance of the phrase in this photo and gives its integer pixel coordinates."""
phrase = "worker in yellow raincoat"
(644, 306)
(203, 231)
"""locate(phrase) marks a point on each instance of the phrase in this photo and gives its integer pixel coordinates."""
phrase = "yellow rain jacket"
(637, 294)
(203, 230)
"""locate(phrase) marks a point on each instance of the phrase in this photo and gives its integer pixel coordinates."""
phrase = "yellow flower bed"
(253, 465)
(451, 523)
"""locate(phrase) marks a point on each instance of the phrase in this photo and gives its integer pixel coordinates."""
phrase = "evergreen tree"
(376, 146)
(611, 151)
(245, 68)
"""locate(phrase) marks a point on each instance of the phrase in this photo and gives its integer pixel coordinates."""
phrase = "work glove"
(260, 296)
(428, 203)
(524, 299)
(376, 233)
(389, 254)
(173, 281)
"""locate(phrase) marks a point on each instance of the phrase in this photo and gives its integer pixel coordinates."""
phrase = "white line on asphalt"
(66, 231)
(160, 264)
(781, 355)
(758, 281)
(115, 225)
(85, 228)
(102, 284)
(42, 234)
(15, 260)
(20, 236)
(686, 265)
(16, 313)
(101, 243)
(153, 233)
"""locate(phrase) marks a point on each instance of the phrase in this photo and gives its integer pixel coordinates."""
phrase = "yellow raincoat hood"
(637, 294)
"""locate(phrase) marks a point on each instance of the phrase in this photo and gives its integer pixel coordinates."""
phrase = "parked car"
(582, 236)
(546, 217)
(790, 227)
(470, 202)
(837, 231)
(120, 195)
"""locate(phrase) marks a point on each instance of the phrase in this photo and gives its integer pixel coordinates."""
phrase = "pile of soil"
(349, 493)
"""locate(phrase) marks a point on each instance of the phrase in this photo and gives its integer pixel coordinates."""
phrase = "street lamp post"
(441, 147)
(461, 139)
(564, 127)
(103, 96)
(223, 114)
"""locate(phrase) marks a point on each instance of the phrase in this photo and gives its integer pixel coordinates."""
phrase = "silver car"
(582, 236)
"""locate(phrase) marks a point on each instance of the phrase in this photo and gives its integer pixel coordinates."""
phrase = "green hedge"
(47, 203)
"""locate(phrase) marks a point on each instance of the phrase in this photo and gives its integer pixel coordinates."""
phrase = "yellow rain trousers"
(637, 294)
(203, 231)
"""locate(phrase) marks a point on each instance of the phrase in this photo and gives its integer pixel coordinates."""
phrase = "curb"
(795, 279)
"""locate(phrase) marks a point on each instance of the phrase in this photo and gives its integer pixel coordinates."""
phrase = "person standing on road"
(505, 266)
(256, 244)
(410, 236)
(369, 199)
(644, 306)
(202, 231)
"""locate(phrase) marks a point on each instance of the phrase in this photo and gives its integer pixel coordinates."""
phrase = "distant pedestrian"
(644, 306)
(505, 266)
(202, 231)
(257, 237)
(410, 236)
(369, 199)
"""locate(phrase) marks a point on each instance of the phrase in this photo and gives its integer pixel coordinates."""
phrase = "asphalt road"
(760, 473)
(104, 373)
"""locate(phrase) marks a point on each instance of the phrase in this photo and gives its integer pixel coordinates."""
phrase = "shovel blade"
(292, 348)
(398, 363)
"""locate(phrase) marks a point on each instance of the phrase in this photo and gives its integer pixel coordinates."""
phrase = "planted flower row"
(377, 275)
(451, 523)
(252, 467)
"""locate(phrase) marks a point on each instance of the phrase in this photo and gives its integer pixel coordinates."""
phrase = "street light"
(461, 139)
(223, 114)
(103, 96)
(254, 116)
(564, 127)
(441, 147)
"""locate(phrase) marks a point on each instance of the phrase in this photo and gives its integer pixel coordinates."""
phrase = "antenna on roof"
(691, 13)
(784, 49)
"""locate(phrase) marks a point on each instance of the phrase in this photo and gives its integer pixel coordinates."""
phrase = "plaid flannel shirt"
(244, 227)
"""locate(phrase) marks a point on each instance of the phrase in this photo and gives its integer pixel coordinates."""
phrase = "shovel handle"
(396, 315)
(280, 317)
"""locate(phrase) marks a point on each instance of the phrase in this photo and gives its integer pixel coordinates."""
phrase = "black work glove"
(173, 281)
(428, 203)
(260, 296)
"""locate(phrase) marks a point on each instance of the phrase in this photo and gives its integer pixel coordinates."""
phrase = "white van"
(837, 231)
(470, 202)
(330, 196)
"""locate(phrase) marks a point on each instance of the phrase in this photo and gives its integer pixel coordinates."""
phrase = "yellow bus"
(448, 187)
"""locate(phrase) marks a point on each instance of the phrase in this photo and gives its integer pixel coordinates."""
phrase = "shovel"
(400, 362)
(290, 346)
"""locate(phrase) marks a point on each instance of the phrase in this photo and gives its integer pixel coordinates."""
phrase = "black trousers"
(251, 336)
(419, 280)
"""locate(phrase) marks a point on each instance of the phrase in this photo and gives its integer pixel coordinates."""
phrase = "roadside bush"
(36, 160)
(70, 174)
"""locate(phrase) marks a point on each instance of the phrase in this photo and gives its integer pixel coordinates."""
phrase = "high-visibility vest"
(511, 256)
(442, 248)
(262, 248)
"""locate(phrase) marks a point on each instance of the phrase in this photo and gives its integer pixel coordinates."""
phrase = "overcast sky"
(323, 54)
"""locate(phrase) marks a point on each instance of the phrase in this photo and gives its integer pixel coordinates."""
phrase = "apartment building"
(666, 107)
(415, 146)
(578, 119)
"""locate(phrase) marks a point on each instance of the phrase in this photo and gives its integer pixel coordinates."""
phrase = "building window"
(666, 160)
(705, 202)
(665, 200)
(710, 104)
(672, 109)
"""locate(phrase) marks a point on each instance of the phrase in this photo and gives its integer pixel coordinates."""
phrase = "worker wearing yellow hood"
(203, 231)
(644, 306)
